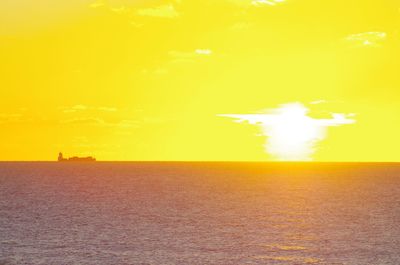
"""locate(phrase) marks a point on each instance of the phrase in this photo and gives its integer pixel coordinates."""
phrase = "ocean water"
(199, 213)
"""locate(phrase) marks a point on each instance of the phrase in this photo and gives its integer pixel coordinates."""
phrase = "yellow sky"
(148, 79)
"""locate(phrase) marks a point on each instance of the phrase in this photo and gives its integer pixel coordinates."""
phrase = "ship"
(75, 158)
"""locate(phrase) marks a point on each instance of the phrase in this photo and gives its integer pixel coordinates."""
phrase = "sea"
(205, 213)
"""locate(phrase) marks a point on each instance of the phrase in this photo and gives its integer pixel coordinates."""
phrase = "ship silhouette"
(75, 158)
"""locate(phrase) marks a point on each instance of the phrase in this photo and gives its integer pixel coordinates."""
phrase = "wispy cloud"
(316, 102)
(189, 56)
(10, 117)
(80, 107)
(108, 109)
(86, 121)
(95, 121)
(128, 124)
(97, 4)
(74, 108)
(291, 133)
(266, 2)
(120, 9)
(7, 115)
(258, 3)
(203, 51)
(160, 71)
(179, 58)
(164, 11)
(136, 24)
(368, 39)
(241, 26)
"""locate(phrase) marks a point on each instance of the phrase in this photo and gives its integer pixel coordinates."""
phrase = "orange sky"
(148, 80)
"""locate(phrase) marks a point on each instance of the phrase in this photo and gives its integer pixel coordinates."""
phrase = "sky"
(171, 80)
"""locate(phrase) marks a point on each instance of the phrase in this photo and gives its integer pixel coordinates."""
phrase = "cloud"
(320, 101)
(184, 56)
(97, 4)
(85, 121)
(136, 24)
(165, 11)
(369, 39)
(107, 109)
(74, 108)
(203, 51)
(128, 124)
(7, 116)
(120, 10)
(178, 58)
(79, 107)
(160, 71)
(266, 2)
(96, 121)
(10, 117)
(193, 54)
(292, 135)
(257, 3)
(241, 26)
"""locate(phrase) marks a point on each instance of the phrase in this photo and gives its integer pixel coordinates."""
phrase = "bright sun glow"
(292, 134)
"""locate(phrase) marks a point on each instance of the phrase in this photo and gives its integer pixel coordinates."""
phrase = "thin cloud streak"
(368, 39)
(80, 107)
(165, 11)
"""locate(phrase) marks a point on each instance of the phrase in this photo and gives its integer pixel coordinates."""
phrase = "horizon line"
(208, 161)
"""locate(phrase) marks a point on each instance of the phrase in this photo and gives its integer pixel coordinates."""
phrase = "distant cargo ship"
(75, 159)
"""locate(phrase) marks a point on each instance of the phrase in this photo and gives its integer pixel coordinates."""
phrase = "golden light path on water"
(291, 133)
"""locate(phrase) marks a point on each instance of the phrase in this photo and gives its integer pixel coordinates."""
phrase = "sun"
(292, 135)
